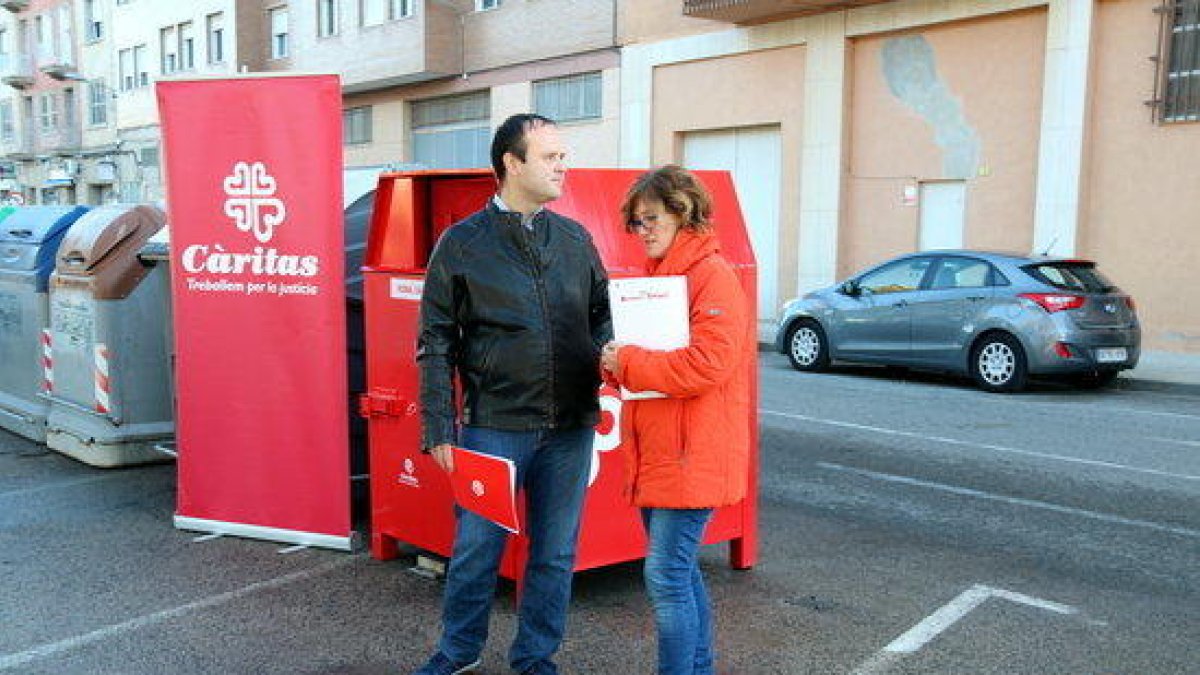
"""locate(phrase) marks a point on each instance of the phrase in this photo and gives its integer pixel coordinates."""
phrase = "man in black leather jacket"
(516, 304)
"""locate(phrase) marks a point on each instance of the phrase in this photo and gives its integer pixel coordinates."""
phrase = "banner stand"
(254, 191)
(351, 543)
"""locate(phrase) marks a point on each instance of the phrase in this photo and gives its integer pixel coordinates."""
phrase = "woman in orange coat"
(688, 452)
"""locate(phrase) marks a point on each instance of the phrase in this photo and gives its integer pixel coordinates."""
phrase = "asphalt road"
(910, 524)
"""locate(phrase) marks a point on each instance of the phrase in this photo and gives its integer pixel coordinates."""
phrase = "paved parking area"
(859, 573)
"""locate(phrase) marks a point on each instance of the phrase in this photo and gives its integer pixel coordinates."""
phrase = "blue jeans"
(676, 587)
(552, 467)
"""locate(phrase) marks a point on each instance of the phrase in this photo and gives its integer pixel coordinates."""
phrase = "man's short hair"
(510, 137)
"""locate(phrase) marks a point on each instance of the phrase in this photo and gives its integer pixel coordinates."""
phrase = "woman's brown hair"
(679, 192)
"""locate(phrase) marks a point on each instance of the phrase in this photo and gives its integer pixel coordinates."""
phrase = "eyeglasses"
(650, 224)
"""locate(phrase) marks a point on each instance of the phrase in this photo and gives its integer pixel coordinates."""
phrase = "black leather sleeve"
(437, 347)
(599, 313)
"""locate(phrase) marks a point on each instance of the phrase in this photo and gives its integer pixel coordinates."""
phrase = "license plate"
(1111, 355)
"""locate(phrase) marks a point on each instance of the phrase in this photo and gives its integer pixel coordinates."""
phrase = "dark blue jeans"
(676, 587)
(552, 466)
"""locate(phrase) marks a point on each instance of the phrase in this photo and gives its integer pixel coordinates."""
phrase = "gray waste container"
(29, 239)
(111, 403)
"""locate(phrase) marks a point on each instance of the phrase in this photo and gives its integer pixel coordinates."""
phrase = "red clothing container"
(410, 495)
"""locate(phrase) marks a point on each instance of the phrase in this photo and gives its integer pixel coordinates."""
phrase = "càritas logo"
(252, 204)
(251, 200)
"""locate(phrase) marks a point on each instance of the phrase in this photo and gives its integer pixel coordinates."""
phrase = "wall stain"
(910, 68)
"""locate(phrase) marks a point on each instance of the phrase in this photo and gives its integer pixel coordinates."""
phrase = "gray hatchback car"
(996, 317)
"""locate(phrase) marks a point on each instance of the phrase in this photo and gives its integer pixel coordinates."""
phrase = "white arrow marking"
(949, 614)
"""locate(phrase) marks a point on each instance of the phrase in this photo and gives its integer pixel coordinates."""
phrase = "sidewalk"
(1166, 368)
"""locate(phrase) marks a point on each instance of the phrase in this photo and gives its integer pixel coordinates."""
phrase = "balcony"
(59, 138)
(16, 70)
(762, 11)
(18, 144)
(15, 5)
(432, 49)
(59, 65)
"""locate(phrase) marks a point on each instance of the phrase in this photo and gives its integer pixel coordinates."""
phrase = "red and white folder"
(486, 485)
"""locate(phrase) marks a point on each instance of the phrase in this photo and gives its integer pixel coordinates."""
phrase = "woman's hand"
(608, 356)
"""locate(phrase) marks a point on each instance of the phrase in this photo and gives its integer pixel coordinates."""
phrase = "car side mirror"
(851, 288)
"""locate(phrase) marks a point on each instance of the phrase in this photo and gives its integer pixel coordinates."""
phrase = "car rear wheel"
(806, 346)
(998, 363)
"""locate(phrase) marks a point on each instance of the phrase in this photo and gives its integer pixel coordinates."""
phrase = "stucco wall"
(752, 89)
(952, 101)
(1141, 192)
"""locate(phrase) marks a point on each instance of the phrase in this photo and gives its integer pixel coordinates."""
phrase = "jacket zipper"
(539, 283)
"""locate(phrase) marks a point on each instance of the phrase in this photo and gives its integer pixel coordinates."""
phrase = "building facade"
(1066, 127)
(39, 103)
(1059, 126)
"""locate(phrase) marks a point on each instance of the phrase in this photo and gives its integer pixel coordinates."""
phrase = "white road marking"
(1191, 444)
(23, 492)
(206, 537)
(293, 549)
(933, 625)
(969, 492)
(982, 446)
(18, 659)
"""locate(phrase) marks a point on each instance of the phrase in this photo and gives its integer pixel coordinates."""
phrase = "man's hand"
(444, 456)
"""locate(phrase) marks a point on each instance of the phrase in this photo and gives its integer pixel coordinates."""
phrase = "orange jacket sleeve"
(718, 325)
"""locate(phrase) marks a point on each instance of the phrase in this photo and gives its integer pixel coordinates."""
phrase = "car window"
(902, 275)
(1071, 276)
(962, 273)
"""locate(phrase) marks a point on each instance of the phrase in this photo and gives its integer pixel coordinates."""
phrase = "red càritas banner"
(254, 194)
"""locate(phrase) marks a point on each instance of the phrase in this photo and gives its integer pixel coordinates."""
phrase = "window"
(484, 5)
(141, 65)
(63, 40)
(93, 29)
(167, 44)
(278, 19)
(896, 277)
(215, 25)
(97, 103)
(69, 108)
(372, 12)
(962, 273)
(1178, 92)
(1082, 277)
(8, 129)
(400, 9)
(327, 18)
(356, 125)
(125, 74)
(452, 132)
(148, 157)
(187, 46)
(563, 99)
(48, 112)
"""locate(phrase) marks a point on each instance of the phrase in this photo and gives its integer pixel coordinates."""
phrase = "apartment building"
(39, 102)
(426, 82)
(148, 40)
(1060, 126)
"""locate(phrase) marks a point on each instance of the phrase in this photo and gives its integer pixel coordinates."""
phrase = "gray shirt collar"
(526, 219)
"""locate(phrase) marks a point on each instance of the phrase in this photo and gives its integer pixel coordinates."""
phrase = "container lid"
(34, 225)
(103, 245)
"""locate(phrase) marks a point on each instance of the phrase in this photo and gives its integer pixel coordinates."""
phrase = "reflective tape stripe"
(47, 363)
(102, 383)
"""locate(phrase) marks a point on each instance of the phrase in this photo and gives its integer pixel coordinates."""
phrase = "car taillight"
(1055, 302)
(1129, 302)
